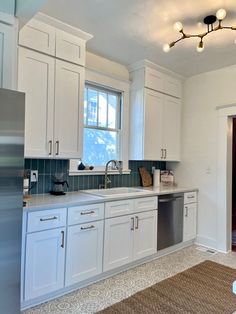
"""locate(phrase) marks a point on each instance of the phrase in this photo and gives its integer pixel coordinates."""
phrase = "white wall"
(106, 66)
(202, 93)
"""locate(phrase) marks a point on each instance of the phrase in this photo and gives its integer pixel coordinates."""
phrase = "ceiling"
(127, 31)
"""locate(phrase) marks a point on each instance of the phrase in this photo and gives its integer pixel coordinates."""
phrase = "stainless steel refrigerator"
(12, 113)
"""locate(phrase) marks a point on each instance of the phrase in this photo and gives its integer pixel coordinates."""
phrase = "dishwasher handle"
(170, 199)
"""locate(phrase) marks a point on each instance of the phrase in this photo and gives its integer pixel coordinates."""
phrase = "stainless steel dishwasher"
(170, 220)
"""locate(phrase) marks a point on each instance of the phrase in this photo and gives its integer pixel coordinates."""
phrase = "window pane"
(85, 105)
(112, 108)
(99, 146)
(92, 106)
(102, 109)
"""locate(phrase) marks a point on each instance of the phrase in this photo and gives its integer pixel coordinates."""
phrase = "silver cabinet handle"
(186, 213)
(87, 228)
(47, 219)
(57, 148)
(132, 223)
(137, 221)
(165, 153)
(62, 239)
(88, 212)
(50, 148)
(191, 196)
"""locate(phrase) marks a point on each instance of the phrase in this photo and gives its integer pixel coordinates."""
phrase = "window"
(102, 125)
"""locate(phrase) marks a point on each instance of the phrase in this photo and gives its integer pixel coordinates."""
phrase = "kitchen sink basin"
(123, 191)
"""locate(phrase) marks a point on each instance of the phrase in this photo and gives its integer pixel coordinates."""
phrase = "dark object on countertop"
(81, 166)
(145, 177)
(91, 167)
(57, 193)
(59, 182)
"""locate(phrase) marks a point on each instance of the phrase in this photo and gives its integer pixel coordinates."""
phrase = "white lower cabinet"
(145, 237)
(84, 252)
(190, 221)
(45, 260)
(129, 238)
(118, 242)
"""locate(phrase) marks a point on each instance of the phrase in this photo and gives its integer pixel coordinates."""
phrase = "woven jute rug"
(205, 288)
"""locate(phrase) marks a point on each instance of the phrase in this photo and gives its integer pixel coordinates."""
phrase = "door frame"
(224, 176)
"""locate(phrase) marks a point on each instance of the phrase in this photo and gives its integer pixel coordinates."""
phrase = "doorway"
(234, 185)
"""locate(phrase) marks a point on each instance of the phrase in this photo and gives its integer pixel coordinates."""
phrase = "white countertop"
(47, 201)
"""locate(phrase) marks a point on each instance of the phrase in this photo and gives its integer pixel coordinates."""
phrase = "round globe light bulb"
(200, 48)
(166, 47)
(178, 26)
(221, 14)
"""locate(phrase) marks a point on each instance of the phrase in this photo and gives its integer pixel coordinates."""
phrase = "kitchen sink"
(123, 191)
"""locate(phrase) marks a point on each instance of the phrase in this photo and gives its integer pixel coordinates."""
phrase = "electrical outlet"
(34, 176)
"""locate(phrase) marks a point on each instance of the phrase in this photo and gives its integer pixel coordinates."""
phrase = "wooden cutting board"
(145, 177)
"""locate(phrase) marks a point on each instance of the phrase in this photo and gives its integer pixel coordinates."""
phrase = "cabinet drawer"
(119, 208)
(81, 214)
(190, 197)
(46, 219)
(38, 36)
(145, 203)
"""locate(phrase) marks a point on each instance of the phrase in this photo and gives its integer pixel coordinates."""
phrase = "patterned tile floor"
(104, 293)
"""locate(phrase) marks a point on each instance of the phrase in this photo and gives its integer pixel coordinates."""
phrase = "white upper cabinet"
(171, 128)
(51, 39)
(70, 47)
(38, 36)
(155, 115)
(154, 80)
(8, 57)
(54, 105)
(69, 89)
(36, 79)
(154, 126)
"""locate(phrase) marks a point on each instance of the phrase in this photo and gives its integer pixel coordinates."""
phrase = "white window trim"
(95, 77)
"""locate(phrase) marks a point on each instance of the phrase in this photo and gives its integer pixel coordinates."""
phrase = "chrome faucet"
(117, 165)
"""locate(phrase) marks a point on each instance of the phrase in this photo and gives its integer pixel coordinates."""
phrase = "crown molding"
(62, 26)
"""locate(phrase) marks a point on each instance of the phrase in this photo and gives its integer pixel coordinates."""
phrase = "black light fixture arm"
(209, 21)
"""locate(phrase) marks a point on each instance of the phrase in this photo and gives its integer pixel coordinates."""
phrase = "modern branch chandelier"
(209, 20)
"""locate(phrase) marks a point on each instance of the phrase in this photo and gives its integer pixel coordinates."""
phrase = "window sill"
(95, 172)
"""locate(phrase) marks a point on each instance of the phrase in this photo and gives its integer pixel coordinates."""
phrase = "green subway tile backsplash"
(48, 167)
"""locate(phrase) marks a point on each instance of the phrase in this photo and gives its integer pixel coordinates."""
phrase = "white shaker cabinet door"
(171, 128)
(36, 79)
(145, 235)
(7, 55)
(84, 252)
(118, 242)
(44, 268)
(190, 222)
(69, 91)
(153, 124)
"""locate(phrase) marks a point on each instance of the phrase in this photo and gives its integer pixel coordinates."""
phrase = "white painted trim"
(224, 178)
(7, 18)
(62, 26)
(146, 63)
(206, 242)
(96, 172)
(105, 80)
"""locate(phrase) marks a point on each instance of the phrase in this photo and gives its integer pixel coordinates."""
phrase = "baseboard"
(206, 241)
